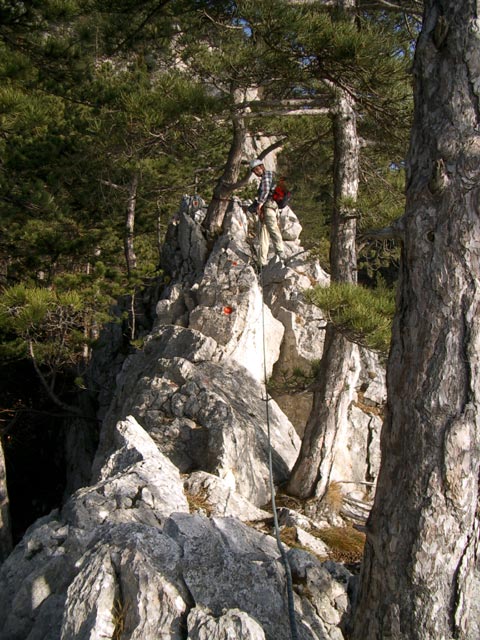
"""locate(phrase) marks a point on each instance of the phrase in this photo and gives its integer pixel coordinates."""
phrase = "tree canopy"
(110, 112)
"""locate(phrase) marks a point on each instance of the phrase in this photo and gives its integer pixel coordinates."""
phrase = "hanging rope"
(281, 548)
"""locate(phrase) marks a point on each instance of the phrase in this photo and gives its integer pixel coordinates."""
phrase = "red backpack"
(281, 194)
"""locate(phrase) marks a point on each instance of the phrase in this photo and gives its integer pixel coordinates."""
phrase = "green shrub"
(41, 323)
(363, 315)
(294, 380)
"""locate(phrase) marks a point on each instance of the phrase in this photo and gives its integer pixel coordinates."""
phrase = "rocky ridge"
(170, 538)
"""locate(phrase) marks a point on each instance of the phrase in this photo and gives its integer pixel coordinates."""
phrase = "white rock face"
(230, 309)
(289, 224)
(356, 456)
(97, 578)
(303, 322)
(233, 624)
(202, 413)
(355, 450)
(219, 498)
(236, 222)
(131, 577)
(136, 478)
(80, 583)
(172, 310)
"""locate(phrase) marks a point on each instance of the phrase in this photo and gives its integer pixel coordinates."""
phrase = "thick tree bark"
(423, 533)
(311, 473)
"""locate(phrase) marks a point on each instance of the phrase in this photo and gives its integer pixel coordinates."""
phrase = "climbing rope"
(281, 548)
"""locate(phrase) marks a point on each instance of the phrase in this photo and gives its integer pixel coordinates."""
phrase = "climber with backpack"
(266, 208)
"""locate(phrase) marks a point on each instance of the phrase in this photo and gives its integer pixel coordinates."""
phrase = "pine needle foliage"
(49, 326)
(363, 315)
(44, 319)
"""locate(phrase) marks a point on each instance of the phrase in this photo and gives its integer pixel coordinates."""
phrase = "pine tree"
(423, 533)
(336, 67)
(90, 130)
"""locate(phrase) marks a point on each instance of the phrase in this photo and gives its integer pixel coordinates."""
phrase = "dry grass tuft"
(369, 408)
(198, 502)
(290, 502)
(119, 615)
(345, 543)
(334, 497)
(288, 535)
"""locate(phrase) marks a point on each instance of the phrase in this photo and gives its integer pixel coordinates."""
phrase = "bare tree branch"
(321, 101)
(221, 24)
(413, 7)
(393, 232)
(291, 112)
(108, 183)
(51, 394)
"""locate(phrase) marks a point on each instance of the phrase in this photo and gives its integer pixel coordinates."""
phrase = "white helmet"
(255, 163)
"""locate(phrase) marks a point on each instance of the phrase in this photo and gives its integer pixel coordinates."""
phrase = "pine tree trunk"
(130, 256)
(423, 534)
(343, 253)
(228, 181)
(312, 469)
(5, 523)
(311, 473)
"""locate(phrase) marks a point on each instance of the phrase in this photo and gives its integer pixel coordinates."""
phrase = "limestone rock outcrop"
(126, 558)
(172, 536)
